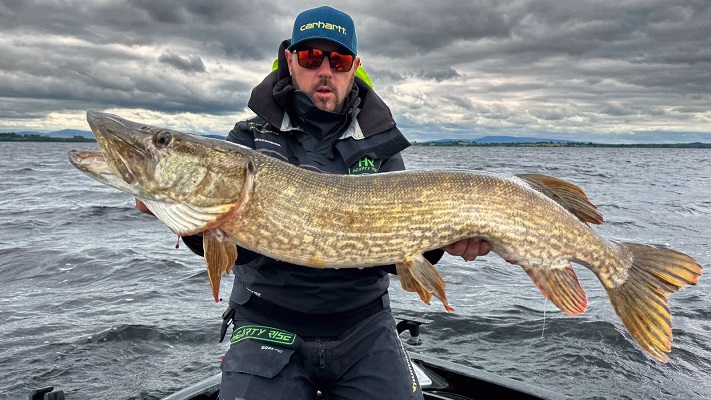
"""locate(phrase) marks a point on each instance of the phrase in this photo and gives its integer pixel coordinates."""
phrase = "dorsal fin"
(571, 197)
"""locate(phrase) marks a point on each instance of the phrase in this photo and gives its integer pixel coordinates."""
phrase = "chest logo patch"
(365, 165)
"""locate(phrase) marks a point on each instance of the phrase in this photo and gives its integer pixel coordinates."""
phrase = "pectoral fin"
(418, 275)
(410, 284)
(220, 256)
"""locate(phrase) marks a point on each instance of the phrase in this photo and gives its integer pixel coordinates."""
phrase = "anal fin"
(220, 256)
(418, 275)
(560, 285)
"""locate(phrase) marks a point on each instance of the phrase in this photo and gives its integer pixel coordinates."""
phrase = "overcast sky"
(608, 70)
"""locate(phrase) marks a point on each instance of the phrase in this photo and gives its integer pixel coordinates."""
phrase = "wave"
(137, 332)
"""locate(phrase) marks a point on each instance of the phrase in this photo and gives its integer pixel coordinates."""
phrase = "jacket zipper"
(321, 353)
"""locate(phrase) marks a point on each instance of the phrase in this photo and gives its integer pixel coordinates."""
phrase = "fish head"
(188, 182)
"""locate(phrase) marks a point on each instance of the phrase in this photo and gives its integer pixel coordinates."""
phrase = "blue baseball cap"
(325, 23)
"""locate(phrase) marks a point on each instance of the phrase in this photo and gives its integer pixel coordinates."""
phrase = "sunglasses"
(312, 59)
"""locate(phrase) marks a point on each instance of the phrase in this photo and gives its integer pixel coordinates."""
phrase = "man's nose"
(325, 68)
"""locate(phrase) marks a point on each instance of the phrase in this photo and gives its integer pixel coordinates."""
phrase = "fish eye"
(162, 139)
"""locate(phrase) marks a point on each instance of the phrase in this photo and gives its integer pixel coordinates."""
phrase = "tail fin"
(641, 302)
(418, 275)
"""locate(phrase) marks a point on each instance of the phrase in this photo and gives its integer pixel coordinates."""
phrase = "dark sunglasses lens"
(340, 62)
(311, 58)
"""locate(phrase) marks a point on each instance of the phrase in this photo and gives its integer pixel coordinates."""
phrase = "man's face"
(326, 87)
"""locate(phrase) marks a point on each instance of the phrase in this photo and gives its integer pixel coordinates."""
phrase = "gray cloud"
(189, 63)
(447, 67)
(440, 74)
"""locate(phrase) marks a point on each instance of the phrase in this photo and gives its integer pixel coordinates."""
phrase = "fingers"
(485, 248)
(142, 207)
(469, 249)
(457, 248)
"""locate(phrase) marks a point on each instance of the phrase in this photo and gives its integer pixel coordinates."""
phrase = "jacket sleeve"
(394, 163)
(240, 134)
(194, 243)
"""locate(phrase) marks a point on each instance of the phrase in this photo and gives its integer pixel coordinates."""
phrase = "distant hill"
(504, 139)
(70, 133)
(518, 139)
(63, 134)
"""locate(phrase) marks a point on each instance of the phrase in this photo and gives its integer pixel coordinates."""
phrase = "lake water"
(96, 300)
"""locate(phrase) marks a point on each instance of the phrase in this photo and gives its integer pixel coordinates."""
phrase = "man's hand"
(142, 207)
(468, 249)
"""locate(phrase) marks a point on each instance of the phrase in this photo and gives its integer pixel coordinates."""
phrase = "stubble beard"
(325, 105)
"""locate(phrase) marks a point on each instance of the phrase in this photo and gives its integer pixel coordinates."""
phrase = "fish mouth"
(89, 161)
(123, 155)
(122, 143)
(93, 164)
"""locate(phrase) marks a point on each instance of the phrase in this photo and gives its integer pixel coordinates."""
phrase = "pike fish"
(234, 195)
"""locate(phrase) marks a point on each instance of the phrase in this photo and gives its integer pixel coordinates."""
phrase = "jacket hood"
(373, 117)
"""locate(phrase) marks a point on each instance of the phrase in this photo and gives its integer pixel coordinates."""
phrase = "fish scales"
(400, 215)
(234, 195)
(404, 211)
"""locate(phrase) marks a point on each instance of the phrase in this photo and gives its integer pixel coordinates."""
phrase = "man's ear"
(288, 57)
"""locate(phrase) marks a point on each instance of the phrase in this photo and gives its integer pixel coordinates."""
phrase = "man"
(296, 329)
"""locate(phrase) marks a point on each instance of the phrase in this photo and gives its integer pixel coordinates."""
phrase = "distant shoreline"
(566, 144)
(14, 137)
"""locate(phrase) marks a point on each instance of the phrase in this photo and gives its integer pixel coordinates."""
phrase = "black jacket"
(361, 138)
